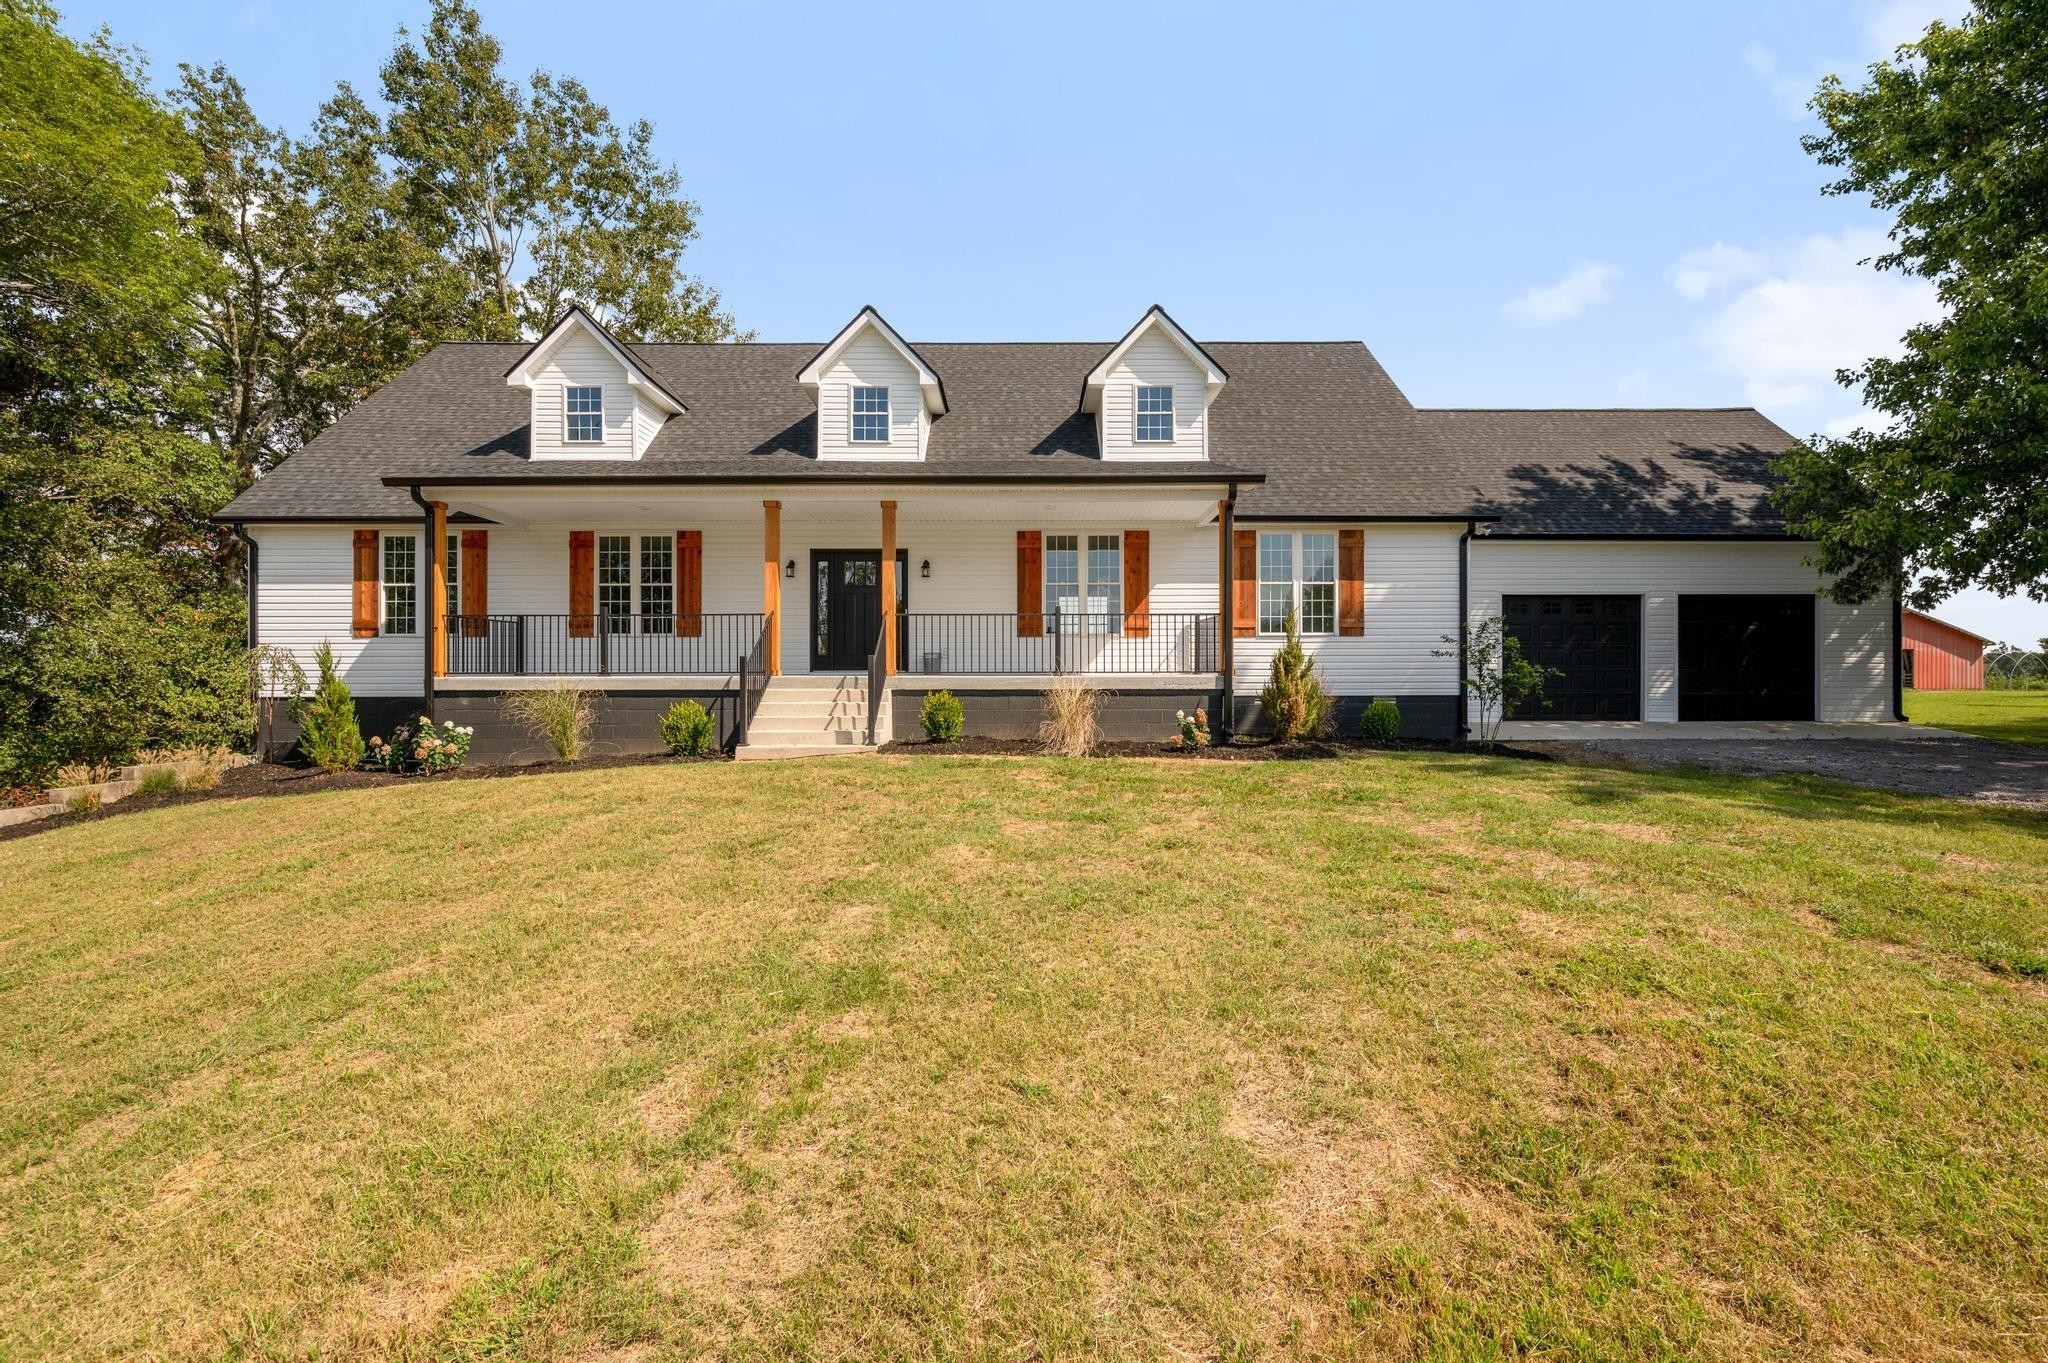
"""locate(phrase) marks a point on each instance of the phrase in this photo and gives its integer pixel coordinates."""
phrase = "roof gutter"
(414, 482)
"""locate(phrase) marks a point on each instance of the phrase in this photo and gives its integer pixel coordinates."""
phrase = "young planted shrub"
(561, 715)
(159, 781)
(1069, 728)
(688, 729)
(942, 717)
(1193, 729)
(420, 747)
(328, 733)
(1295, 703)
(1381, 721)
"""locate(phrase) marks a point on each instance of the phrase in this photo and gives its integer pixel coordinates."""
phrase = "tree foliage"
(1951, 136)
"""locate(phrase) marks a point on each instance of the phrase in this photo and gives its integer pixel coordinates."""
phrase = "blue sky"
(1525, 205)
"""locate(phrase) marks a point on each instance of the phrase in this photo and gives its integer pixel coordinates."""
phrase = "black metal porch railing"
(601, 645)
(984, 644)
(753, 683)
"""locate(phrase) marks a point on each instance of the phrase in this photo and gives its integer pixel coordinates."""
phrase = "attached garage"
(1595, 641)
(1747, 657)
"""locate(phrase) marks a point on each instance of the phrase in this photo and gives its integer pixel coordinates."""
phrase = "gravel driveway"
(1971, 768)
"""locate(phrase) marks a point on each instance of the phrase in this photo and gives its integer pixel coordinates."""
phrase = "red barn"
(1940, 657)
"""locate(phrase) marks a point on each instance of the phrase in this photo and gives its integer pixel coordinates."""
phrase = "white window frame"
(1138, 414)
(635, 583)
(569, 414)
(453, 567)
(1085, 586)
(854, 413)
(1294, 582)
(387, 585)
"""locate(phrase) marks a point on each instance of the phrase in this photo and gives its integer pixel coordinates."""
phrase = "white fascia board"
(933, 391)
(1213, 375)
(639, 380)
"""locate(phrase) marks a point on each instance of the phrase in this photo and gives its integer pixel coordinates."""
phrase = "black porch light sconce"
(924, 569)
(789, 568)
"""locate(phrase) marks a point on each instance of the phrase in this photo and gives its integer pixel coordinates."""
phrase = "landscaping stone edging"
(127, 780)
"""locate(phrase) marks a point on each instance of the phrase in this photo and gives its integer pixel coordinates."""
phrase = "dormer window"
(1155, 412)
(870, 416)
(586, 416)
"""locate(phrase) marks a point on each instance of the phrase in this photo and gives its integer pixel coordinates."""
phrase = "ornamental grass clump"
(689, 730)
(562, 716)
(1069, 728)
(942, 717)
(1295, 703)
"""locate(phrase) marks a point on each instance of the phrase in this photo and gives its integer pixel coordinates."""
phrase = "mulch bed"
(1241, 750)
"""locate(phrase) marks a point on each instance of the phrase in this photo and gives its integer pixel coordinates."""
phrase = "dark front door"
(846, 606)
(1746, 657)
(1595, 641)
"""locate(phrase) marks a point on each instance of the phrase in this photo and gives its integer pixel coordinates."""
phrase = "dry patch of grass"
(1414, 1055)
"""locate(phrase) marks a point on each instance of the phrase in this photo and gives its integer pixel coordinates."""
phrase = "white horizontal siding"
(1154, 360)
(868, 360)
(305, 595)
(1854, 641)
(578, 359)
(1411, 602)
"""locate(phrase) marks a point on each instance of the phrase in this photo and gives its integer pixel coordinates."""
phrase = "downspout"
(1464, 626)
(1226, 630)
(248, 576)
(427, 538)
(1899, 653)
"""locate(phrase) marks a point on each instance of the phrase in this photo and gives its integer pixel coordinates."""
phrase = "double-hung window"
(1155, 413)
(1084, 581)
(401, 584)
(636, 580)
(870, 416)
(1298, 574)
(585, 416)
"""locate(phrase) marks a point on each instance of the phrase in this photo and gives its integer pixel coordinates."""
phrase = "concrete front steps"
(811, 715)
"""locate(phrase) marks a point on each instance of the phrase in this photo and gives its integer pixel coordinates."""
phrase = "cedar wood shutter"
(1137, 584)
(368, 587)
(476, 583)
(1030, 584)
(582, 582)
(1244, 583)
(689, 583)
(1351, 581)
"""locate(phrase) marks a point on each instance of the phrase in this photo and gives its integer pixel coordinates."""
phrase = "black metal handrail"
(1096, 643)
(600, 645)
(753, 680)
(877, 681)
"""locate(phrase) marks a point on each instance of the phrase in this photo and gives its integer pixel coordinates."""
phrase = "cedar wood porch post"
(771, 582)
(888, 583)
(437, 582)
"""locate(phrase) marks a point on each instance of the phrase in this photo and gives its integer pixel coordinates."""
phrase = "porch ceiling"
(1097, 504)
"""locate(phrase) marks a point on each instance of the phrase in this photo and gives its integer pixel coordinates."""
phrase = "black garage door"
(1596, 641)
(1745, 657)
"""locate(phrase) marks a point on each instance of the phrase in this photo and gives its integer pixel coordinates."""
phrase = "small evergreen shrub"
(1381, 721)
(1295, 703)
(328, 732)
(942, 717)
(562, 715)
(688, 729)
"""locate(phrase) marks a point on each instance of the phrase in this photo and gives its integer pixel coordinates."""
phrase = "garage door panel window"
(1298, 573)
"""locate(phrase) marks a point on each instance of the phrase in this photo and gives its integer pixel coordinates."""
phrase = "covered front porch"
(737, 583)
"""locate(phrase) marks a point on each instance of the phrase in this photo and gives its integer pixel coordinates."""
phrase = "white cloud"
(1585, 285)
(1810, 309)
(1713, 268)
(1885, 27)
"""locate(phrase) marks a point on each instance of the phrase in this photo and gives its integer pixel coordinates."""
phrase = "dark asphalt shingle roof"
(1320, 421)
(1622, 471)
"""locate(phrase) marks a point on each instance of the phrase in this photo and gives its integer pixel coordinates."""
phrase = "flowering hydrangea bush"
(1194, 728)
(420, 747)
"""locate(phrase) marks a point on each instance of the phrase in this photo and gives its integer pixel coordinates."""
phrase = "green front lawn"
(2015, 716)
(1416, 1055)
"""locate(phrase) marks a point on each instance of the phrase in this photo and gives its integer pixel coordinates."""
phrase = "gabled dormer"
(592, 399)
(1150, 395)
(876, 396)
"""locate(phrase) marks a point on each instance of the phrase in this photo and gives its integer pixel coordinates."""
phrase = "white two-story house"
(810, 538)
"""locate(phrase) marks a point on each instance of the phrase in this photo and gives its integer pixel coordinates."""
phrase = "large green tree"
(1951, 136)
(119, 621)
